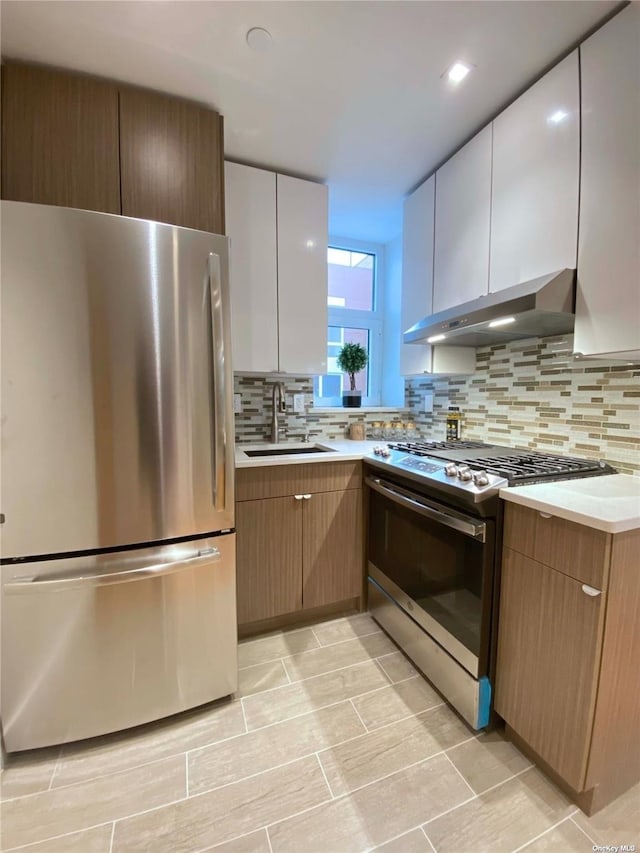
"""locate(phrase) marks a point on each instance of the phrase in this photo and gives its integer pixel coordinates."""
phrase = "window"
(352, 299)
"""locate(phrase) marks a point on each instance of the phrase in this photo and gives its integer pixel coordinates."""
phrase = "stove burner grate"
(424, 448)
(538, 466)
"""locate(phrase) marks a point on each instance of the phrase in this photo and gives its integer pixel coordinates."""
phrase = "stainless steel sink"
(289, 451)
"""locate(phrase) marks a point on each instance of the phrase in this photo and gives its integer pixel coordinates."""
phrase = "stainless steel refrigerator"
(117, 534)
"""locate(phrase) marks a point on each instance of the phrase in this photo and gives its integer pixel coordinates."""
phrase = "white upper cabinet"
(278, 271)
(534, 204)
(463, 210)
(417, 273)
(303, 238)
(417, 289)
(250, 211)
(608, 299)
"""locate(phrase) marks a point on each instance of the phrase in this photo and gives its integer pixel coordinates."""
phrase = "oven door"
(437, 564)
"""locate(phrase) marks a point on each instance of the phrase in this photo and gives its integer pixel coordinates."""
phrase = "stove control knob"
(464, 472)
(481, 478)
(451, 470)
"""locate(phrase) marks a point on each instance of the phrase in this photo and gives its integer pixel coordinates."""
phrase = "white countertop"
(343, 450)
(610, 503)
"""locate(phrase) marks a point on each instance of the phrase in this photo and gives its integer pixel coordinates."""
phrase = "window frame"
(354, 318)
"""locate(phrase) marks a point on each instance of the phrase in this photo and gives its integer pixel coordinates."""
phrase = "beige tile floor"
(334, 744)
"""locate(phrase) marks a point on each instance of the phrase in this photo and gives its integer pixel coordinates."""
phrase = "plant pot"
(352, 399)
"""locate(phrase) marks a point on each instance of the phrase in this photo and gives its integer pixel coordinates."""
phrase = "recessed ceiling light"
(503, 321)
(435, 338)
(557, 117)
(259, 39)
(457, 72)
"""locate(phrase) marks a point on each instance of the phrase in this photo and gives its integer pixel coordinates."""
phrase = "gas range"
(472, 472)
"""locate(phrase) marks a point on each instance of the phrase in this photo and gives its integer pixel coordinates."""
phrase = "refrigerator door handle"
(219, 394)
(60, 583)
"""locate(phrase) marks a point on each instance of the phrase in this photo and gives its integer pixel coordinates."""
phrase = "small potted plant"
(352, 358)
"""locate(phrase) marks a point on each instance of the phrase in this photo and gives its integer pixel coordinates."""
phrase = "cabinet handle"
(545, 515)
(590, 590)
(307, 497)
(298, 497)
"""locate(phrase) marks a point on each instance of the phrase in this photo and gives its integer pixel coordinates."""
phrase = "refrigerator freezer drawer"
(97, 644)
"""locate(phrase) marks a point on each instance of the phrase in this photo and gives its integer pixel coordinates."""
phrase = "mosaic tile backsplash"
(535, 394)
(254, 423)
(530, 394)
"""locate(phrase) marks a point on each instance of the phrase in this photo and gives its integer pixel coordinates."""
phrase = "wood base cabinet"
(302, 550)
(269, 546)
(568, 666)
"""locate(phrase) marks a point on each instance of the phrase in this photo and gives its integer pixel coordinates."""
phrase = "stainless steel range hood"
(537, 308)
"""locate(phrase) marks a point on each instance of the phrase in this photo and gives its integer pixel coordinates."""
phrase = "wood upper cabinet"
(171, 161)
(463, 213)
(74, 141)
(59, 139)
(608, 297)
(279, 235)
(568, 666)
(250, 199)
(302, 549)
(535, 180)
(548, 659)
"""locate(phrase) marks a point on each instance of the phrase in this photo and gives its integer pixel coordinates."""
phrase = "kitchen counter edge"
(343, 450)
(610, 503)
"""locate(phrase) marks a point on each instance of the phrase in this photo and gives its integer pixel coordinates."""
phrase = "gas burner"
(538, 467)
(424, 448)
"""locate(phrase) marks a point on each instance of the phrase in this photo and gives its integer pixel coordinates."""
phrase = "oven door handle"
(476, 530)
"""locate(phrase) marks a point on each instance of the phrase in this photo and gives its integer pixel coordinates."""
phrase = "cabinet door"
(332, 553)
(608, 299)
(302, 275)
(534, 200)
(171, 161)
(269, 555)
(250, 202)
(59, 139)
(463, 207)
(549, 645)
(417, 273)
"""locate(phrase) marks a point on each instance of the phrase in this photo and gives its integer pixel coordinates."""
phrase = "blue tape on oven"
(484, 702)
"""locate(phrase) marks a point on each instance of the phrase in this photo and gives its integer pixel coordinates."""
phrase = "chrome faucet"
(277, 407)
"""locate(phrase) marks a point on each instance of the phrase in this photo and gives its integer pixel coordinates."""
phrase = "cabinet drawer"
(573, 549)
(281, 480)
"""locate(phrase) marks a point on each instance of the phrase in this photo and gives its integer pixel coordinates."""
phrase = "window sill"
(355, 411)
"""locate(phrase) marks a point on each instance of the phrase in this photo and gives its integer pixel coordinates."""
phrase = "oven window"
(446, 573)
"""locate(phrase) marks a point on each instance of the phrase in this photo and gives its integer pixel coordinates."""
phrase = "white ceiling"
(350, 92)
